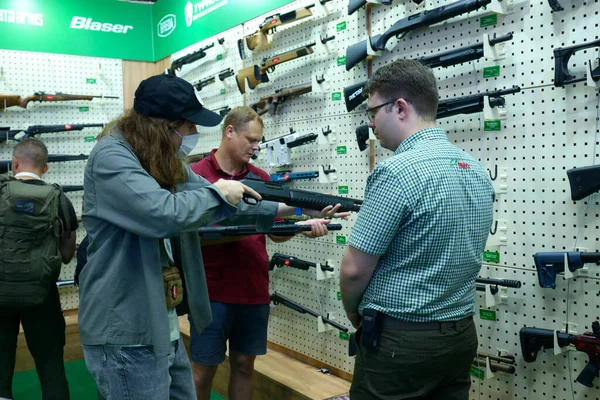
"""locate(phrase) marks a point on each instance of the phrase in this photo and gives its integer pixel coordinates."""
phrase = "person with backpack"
(37, 230)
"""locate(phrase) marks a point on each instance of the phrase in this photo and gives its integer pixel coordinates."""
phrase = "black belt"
(393, 323)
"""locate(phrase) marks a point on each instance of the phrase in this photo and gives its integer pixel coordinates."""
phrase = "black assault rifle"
(279, 192)
(277, 299)
(279, 229)
(548, 264)
(359, 51)
(281, 260)
(71, 188)
(353, 95)
(584, 181)
(535, 339)
(473, 103)
(562, 55)
(6, 166)
(188, 59)
(11, 134)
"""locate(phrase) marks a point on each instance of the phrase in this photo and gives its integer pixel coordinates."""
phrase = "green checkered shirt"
(427, 212)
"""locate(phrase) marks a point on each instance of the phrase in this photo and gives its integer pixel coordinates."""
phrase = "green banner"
(106, 28)
(118, 29)
(181, 23)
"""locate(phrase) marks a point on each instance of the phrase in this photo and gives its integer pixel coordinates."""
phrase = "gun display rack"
(24, 73)
(547, 131)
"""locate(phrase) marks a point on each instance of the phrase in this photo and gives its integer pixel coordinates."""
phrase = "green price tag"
(490, 72)
(336, 96)
(219, 57)
(491, 256)
(84, 109)
(340, 239)
(344, 336)
(339, 295)
(90, 80)
(89, 139)
(341, 26)
(492, 125)
(341, 149)
(489, 315)
(343, 189)
(341, 61)
(223, 91)
(488, 20)
(477, 372)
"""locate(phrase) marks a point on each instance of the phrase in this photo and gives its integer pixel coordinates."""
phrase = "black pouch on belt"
(371, 328)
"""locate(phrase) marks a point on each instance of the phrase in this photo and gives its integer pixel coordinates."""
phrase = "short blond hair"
(240, 117)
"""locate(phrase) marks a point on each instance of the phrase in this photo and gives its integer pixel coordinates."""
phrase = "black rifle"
(358, 52)
(190, 58)
(535, 339)
(562, 55)
(548, 264)
(354, 5)
(281, 260)
(7, 165)
(204, 82)
(353, 95)
(277, 299)
(223, 110)
(226, 73)
(279, 192)
(71, 188)
(584, 181)
(362, 135)
(11, 134)
(494, 283)
(280, 229)
(555, 5)
(473, 103)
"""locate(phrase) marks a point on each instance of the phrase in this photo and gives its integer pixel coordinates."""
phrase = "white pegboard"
(24, 73)
(547, 131)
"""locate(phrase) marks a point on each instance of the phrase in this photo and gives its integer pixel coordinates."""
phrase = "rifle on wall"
(188, 59)
(270, 104)
(12, 100)
(71, 188)
(256, 74)
(584, 181)
(204, 82)
(11, 134)
(353, 94)
(562, 55)
(473, 103)
(6, 166)
(277, 299)
(259, 39)
(359, 51)
(281, 260)
(548, 264)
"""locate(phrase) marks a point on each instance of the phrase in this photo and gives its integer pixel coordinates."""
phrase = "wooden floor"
(279, 376)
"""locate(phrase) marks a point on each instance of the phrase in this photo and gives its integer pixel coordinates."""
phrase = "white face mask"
(188, 143)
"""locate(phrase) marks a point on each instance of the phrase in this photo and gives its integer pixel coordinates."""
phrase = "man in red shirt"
(237, 272)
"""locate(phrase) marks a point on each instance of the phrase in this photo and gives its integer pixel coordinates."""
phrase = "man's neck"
(27, 175)
(227, 164)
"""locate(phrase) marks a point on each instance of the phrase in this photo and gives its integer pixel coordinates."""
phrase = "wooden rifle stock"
(16, 100)
(259, 38)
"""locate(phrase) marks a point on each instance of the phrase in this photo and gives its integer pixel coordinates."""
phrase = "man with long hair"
(143, 206)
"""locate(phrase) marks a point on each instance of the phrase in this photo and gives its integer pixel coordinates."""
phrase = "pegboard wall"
(25, 73)
(547, 131)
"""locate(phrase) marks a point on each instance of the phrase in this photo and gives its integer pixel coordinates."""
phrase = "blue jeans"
(136, 373)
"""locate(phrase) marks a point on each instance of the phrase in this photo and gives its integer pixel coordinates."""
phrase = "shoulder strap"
(62, 200)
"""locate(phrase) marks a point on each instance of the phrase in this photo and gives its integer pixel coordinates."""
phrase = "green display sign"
(341, 149)
(490, 72)
(477, 372)
(91, 81)
(339, 295)
(119, 29)
(223, 91)
(488, 20)
(89, 139)
(343, 189)
(344, 336)
(341, 61)
(492, 125)
(84, 109)
(491, 256)
(489, 315)
(340, 239)
(340, 26)
(336, 96)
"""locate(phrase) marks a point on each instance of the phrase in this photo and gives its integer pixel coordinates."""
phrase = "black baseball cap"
(170, 97)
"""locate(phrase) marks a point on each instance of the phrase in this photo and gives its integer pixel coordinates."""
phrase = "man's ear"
(15, 164)
(401, 107)
(46, 168)
(229, 131)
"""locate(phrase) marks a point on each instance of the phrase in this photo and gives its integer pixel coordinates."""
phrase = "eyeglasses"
(372, 112)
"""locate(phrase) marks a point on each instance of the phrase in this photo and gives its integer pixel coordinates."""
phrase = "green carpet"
(26, 385)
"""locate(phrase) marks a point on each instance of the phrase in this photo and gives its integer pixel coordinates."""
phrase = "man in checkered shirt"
(416, 248)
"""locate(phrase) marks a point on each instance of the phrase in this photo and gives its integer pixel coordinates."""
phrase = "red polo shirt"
(237, 272)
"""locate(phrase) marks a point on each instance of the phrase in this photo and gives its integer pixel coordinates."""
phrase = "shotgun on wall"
(188, 59)
(12, 100)
(277, 299)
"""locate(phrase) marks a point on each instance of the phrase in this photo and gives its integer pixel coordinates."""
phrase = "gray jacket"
(121, 294)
